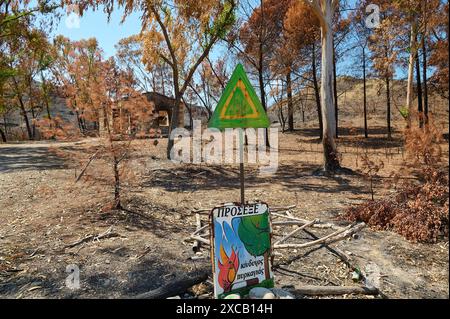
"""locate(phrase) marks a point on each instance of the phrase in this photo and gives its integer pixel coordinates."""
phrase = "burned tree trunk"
(388, 106)
(419, 92)
(412, 58)
(366, 133)
(3, 135)
(425, 85)
(117, 201)
(175, 118)
(290, 104)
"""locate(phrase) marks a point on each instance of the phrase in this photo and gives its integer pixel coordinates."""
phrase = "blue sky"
(95, 24)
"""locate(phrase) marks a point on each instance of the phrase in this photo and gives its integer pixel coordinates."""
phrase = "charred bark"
(366, 133)
(290, 103)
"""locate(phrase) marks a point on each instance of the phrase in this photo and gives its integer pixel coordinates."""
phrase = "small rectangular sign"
(241, 248)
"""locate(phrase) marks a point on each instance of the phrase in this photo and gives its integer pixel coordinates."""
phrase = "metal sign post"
(239, 107)
(241, 164)
(241, 232)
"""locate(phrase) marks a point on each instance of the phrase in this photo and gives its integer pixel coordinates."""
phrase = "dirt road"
(28, 156)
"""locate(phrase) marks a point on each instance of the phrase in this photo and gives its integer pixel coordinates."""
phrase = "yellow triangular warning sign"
(239, 105)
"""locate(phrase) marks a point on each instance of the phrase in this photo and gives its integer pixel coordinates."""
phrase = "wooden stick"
(288, 213)
(106, 234)
(276, 253)
(296, 222)
(288, 222)
(176, 287)
(333, 290)
(319, 224)
(149, 249)
(292, 218)
(199, 230)
(334, 250)
(328, 239)
(295, 231)
(201, 239)
(326, 225)
(201, 210)
(86, 166)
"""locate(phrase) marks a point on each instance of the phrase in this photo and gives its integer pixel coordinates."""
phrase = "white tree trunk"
(331, 161)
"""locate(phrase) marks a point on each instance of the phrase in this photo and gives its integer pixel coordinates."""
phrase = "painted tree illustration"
(254, 232)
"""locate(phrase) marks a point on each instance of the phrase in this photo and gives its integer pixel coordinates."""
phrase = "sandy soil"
(43, 210)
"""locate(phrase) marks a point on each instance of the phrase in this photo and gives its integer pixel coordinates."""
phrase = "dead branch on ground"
(87, 165)
(107, 234)
(176, 286)
(333, 290)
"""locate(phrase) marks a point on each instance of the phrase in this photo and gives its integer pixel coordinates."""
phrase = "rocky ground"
(43, 210)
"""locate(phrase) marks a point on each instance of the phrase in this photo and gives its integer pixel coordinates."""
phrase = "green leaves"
(6, 73)
(224, 21)
(254, 232)
(404, 112)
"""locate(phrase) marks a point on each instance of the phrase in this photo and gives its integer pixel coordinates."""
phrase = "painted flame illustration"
(228, 268)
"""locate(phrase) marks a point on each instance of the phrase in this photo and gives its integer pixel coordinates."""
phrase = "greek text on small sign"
(241, 248)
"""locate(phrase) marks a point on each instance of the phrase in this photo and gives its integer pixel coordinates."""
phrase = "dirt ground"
(43, 209)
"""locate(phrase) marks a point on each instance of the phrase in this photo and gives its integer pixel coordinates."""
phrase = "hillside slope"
(350, 103)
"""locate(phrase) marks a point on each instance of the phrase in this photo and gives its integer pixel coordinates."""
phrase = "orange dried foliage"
(418, 211)
(58, 129)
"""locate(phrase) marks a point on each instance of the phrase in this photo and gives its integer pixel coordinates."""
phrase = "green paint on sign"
(239, 106)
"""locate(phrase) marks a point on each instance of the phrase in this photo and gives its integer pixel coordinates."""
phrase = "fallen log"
(197, 231)
(200, 239)
(107, 234)
(326, 240)
(300, 221)
(334, 250)
(177, 286)
(333, 290)
(295, 231)
(289, 217)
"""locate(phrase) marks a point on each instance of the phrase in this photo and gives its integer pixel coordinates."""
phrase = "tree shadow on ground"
(372, 143)
(348, 137)
(24, 285)
(139, 214)
(157, 269)
(293, 177)
(314, 132)
(30, 158)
